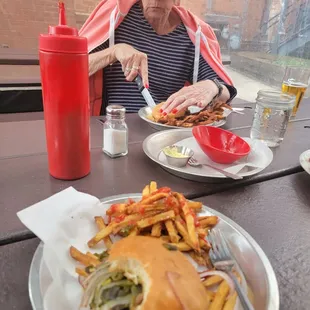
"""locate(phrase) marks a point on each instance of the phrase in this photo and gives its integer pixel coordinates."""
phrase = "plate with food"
(145, 251)
(214, 115)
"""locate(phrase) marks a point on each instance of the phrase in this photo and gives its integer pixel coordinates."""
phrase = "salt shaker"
(115, 132)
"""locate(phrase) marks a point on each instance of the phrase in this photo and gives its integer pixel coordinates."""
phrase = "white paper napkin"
(65, 219)
(43, 217)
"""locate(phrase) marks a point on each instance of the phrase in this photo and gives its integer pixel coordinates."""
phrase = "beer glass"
(295, 82)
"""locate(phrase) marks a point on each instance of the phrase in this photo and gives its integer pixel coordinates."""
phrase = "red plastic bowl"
(220, 145)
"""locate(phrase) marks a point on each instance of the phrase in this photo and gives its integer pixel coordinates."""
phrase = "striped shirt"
(170, 63)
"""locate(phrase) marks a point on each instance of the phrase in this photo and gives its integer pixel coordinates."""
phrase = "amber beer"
(295, 88)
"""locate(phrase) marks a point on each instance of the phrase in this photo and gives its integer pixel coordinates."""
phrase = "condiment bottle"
(65, 87)
(115, 132)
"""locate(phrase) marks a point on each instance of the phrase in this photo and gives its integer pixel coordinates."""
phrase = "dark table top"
(15, 260)
(25, 179)
(17, 131)
(276, 214)
(21, 137)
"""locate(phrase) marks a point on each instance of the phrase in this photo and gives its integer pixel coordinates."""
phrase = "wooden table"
(276, 214)
(25, 180)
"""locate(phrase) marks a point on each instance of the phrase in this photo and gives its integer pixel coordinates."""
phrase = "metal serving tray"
(250, 257)
(153, 145)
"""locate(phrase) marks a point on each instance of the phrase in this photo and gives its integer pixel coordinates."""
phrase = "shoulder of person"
(193, 21)
(101, 12)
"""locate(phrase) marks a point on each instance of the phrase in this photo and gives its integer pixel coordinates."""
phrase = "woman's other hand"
(133, 62)
(199, 94)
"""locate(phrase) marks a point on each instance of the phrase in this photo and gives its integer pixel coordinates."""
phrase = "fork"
(194, 163)
(222, 260)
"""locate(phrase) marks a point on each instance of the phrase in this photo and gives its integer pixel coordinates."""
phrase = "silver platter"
(153, 145)
(146, 111)
(250, 257)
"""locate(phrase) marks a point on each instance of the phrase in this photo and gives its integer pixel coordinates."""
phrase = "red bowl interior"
(220, 145)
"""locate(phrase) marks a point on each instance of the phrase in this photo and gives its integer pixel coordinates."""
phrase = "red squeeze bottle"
(65, 87)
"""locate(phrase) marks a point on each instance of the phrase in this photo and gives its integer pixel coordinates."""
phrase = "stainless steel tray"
(153, 145)
(251, 258)
(144, 112)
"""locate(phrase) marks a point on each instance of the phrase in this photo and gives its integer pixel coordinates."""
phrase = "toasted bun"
(157, 115)
(169, 280)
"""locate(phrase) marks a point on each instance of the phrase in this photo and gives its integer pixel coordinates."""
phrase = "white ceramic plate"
(304, 160)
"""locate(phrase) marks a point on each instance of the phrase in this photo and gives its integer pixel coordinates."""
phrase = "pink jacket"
(108, 15)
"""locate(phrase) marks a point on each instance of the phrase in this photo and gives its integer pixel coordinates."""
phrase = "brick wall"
(21, 21)
(198, 7)
(228, 7)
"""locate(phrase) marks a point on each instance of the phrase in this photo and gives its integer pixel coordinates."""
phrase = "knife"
(145, 92)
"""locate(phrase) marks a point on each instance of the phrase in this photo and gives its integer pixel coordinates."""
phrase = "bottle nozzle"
(62, 13)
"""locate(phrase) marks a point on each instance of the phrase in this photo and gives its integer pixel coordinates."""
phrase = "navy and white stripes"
(170, 62)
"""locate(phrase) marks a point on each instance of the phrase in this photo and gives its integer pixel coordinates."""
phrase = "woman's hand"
(199, 94)
(133, 62)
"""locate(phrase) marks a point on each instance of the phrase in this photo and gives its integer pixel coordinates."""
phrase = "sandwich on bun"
(157, 115)
(141, 273)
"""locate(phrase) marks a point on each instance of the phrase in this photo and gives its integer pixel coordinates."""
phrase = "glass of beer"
(295, 82)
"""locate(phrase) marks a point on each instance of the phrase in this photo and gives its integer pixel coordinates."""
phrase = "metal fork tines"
(223, 260)
(194, 163)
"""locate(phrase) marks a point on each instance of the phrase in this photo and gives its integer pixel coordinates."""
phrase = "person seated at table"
(176, 54)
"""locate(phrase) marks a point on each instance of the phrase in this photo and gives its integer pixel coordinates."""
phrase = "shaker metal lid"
(116, 110)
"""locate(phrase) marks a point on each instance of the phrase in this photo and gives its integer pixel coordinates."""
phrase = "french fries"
(146, 191)
(153, 187)
(181, 246)
(211, 294)
(164, 214)
(155, 219)
(213, 280)
(105, 232)
(134, 232)
(84, 259)
(81, 272)
(209, 221)
(206, 116)
(195, 206)
(220, 296)
(117, 209)
(161, 213)
(101, 225)
(183, 232)
(172, 232)
(231, 301)
(190, 222)
(156, 230)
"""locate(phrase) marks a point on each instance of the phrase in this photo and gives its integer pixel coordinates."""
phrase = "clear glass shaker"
(272, 114)
(115, 132)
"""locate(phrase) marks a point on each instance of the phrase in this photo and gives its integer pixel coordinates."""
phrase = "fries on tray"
(161, 213)
(184, 118)
(168, 215)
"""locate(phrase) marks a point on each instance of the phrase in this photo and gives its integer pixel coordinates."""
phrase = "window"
(259, 37)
